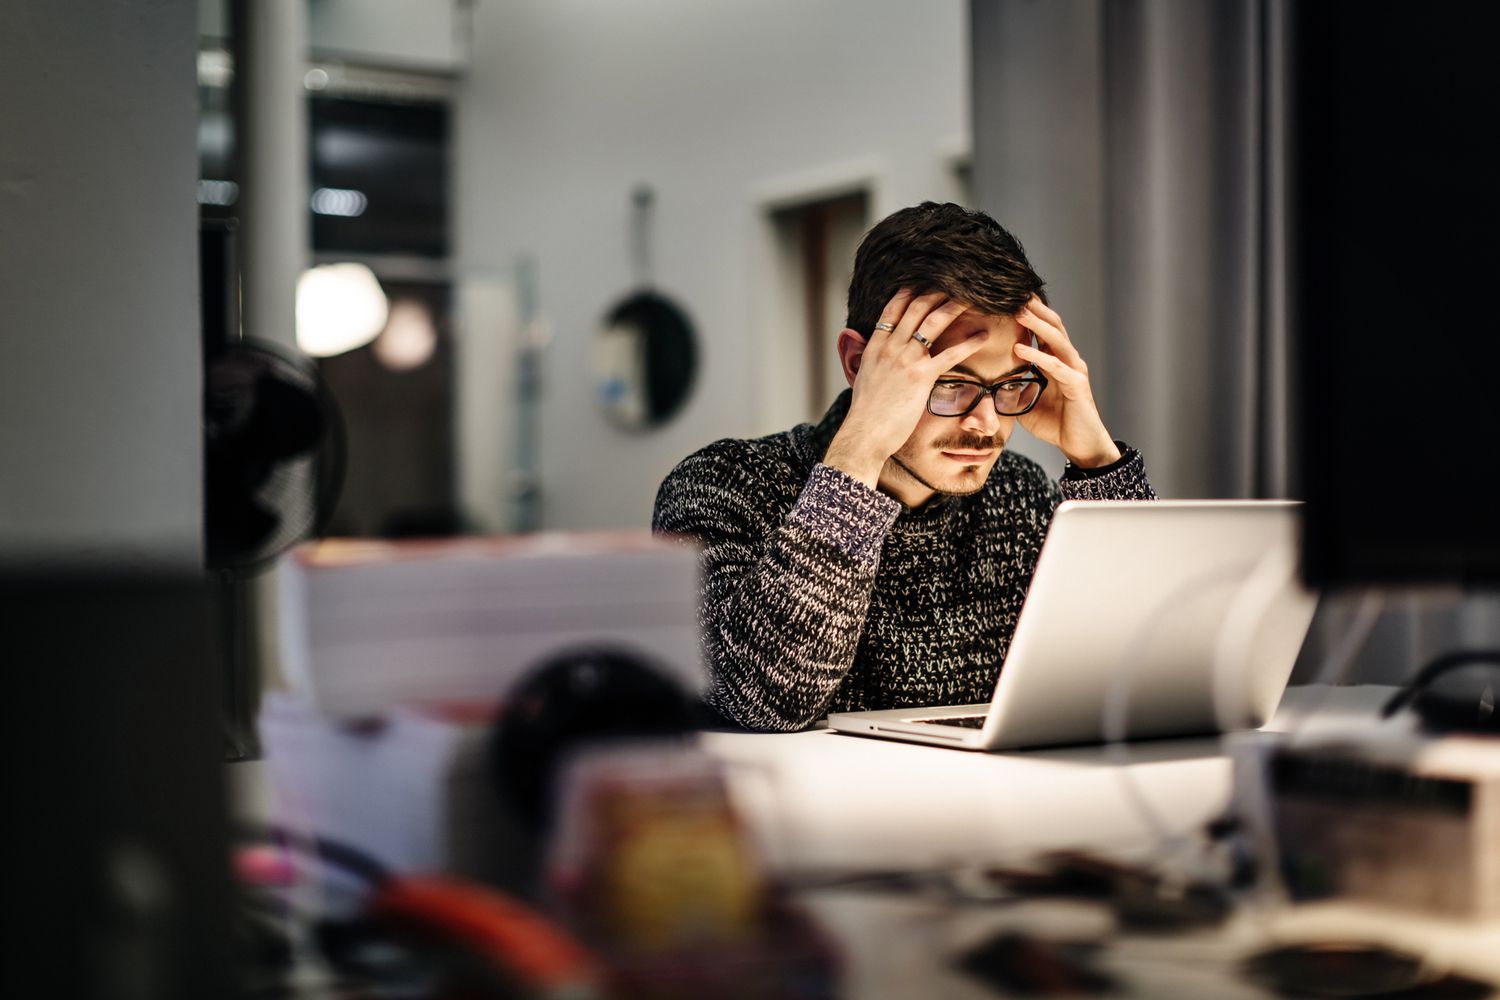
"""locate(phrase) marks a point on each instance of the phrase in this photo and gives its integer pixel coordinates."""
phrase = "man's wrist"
(1102, 454)
(854, 462)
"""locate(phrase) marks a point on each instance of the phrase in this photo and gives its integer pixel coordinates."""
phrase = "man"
(879, 558)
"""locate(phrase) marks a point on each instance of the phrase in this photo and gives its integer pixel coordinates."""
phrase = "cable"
(341, 855)
(1436, 668)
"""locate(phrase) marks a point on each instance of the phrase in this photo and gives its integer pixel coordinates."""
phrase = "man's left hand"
(1065, 415)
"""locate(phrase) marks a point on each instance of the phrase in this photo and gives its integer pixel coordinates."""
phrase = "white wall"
(100, 365)
(404, 34)
(425, 35)
(726, 110)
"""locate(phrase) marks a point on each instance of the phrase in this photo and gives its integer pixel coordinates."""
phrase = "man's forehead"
(969, 371)
(1004, 330)
(973, 318)
(995, 360)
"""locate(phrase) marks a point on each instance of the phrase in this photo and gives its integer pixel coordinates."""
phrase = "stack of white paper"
(368, 625)
(383, 790)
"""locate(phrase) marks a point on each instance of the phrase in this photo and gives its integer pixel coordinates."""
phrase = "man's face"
(955, 454)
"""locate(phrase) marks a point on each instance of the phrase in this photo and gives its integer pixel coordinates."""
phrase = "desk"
(823, 800)
(820, 800)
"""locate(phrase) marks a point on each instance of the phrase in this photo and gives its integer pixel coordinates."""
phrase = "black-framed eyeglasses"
(1012, 396)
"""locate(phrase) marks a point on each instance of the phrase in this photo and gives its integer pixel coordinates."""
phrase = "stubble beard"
(951, 489)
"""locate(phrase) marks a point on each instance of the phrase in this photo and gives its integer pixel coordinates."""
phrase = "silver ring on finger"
(887, 327)
(917, 336)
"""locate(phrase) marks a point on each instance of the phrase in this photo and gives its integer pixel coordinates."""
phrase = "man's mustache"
(969, 442)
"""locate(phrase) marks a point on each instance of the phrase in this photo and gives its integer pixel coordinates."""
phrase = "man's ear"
(851, 352)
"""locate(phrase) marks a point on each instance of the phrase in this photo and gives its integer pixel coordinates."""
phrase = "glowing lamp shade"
(410, 338)
(339, 307)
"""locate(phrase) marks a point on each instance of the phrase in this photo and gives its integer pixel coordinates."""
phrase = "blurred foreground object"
(1405, 822)
(1359, 528)
(370, 625)
(649, 855)
(584, 793)
(121, 888)
(1355, 969)
(388, 788)
(651, 865)
(629, 822)
(579, 698)
(392, 934)
(1454, 693)
(583, 699)
(511, 951)
(462, 789)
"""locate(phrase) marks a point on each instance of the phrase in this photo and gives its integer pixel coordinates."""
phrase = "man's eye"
(954, 390)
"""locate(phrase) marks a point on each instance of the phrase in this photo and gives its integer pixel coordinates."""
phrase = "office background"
(1135, 148)
(500, 151)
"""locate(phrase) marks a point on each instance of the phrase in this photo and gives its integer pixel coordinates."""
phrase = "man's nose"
(983, 419)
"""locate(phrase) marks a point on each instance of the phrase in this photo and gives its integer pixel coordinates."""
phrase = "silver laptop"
(1144, 619)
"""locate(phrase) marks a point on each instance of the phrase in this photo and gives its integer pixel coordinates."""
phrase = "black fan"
(273, 455)
(273, 462)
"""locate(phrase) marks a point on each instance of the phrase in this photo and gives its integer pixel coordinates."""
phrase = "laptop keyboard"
(966, 721)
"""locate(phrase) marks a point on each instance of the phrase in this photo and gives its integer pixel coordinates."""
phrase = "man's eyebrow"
(966, 370)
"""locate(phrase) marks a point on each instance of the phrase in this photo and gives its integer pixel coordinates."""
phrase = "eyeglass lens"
(951, 399)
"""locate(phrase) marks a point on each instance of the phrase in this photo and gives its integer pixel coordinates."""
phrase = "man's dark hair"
(948, 248)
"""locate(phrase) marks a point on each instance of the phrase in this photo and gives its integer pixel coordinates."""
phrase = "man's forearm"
(781, 628)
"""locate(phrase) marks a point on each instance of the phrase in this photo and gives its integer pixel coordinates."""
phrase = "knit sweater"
(820, 594)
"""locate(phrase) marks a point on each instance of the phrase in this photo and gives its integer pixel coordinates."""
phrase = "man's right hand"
(895, 374)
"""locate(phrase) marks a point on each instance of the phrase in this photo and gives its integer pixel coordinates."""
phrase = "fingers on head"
(928, 314)
(1036, 305)
(1048, 315)
(919, 310)
(1050, 333)
(1035, 321)
(922, 335)
(1056, 368)
(896, 307)
(916, 313)
(950, 356)
(938, 320)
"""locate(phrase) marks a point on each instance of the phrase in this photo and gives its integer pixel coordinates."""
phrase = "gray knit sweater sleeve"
(786, 582)
(1123, 480)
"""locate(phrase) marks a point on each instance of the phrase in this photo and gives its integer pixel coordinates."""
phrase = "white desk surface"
(820, 799)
